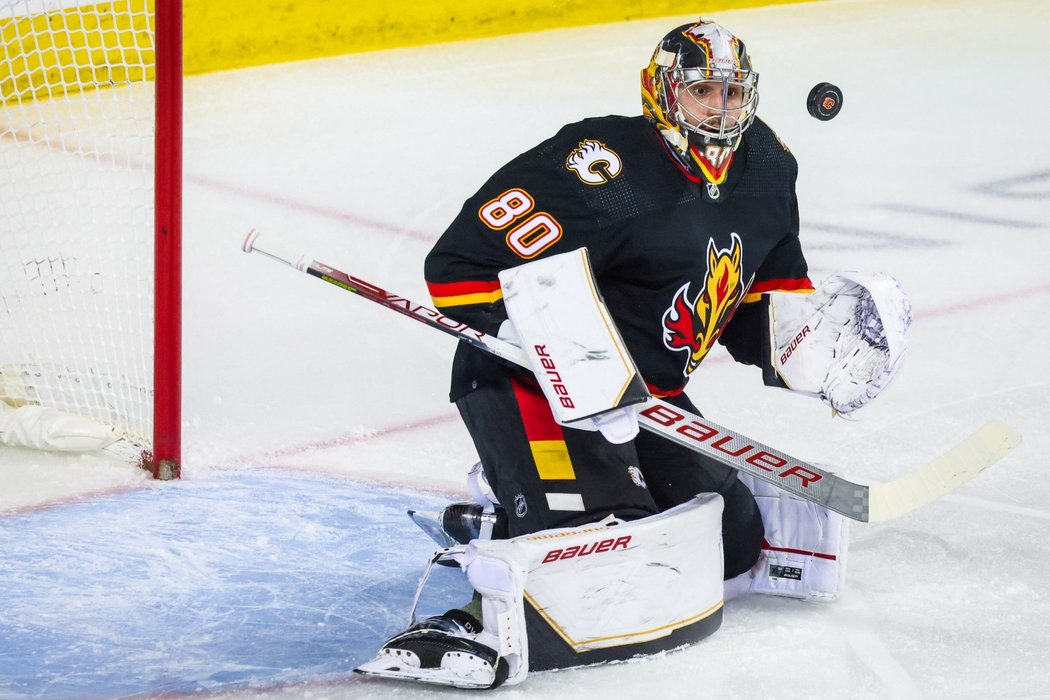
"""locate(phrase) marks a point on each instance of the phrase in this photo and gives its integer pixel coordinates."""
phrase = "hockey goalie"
(615, 254)
(641, 577)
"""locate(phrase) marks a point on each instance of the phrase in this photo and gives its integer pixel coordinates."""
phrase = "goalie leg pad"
(571, 597)
(804, 552)
(614, 589)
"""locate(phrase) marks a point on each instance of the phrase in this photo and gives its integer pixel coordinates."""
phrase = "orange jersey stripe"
(801, 285)
(465, 293)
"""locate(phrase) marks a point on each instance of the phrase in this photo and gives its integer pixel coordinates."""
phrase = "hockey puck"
(824, 101)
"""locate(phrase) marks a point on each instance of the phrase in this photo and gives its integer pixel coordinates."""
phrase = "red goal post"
(90, 215)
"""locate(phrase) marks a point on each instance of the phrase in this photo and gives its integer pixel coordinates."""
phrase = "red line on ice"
(68, 500)
(316, 209)
(348, 439)
(721, 358)
(996, 299)
(22, 136)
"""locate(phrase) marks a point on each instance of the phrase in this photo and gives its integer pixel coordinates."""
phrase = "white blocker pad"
(804, 552)
(608, 586)
(845, 341)
(573, 346)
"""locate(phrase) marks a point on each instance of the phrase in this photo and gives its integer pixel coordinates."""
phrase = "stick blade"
(986, 446)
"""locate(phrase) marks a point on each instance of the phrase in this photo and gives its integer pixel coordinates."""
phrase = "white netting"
(76, 208)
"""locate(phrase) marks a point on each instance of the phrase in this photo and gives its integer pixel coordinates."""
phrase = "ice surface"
(936, 170)
(248, 577)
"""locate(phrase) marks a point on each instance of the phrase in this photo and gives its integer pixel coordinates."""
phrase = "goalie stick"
(874, 503)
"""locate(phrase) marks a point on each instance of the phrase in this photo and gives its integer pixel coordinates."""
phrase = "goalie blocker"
(557, 316)
(602, 592)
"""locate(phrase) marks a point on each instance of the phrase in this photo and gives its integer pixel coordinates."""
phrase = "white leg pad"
(604, 585)
(804, 552)
(501, 583)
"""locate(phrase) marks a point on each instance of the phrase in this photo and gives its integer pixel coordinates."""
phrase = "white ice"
(937, 170)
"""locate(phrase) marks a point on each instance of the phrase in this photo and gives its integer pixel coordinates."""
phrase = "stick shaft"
(808, 481)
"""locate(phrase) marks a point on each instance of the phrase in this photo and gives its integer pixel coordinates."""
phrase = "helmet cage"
(721, 103)
(690, 55)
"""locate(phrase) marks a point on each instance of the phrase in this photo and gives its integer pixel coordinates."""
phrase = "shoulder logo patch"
(594, 162)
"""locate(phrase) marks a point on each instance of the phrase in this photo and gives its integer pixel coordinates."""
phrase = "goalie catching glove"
(845, 341)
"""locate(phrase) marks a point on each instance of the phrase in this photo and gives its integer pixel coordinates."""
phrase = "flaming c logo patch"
(594, 162)
(693, 325)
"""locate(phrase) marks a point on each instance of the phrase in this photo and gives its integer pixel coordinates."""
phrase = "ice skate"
(459, 523)
(441, 650)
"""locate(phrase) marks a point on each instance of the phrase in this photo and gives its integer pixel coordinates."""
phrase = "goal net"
(90, 133)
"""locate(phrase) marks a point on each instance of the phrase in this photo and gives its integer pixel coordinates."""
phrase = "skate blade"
(458, 669)
(430, 523)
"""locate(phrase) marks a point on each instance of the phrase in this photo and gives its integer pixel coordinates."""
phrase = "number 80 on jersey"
(528, 238)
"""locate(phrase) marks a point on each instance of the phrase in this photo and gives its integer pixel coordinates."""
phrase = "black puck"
(824, 101)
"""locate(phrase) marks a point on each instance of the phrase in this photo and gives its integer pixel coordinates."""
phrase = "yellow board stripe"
(622, 639)
(220, 34)
(465, 299)
(68, 51)
(552, 459)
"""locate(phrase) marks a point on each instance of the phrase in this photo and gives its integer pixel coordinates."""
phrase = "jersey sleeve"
(747, 336)
(785, 268)
(521, 214)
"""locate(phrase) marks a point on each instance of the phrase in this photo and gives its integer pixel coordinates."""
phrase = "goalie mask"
(700, 92)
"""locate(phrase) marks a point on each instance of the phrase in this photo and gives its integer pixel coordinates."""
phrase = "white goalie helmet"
(700, 89)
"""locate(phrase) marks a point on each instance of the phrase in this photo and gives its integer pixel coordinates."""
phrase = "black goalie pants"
(548, 476)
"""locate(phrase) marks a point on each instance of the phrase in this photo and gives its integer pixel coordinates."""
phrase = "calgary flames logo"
(594, 162)
(694, 325)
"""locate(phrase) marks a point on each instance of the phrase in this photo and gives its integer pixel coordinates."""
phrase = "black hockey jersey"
(675, 258)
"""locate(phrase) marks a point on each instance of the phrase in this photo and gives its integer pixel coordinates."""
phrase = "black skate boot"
(441, 650)
(459, 523)
(466, 521)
